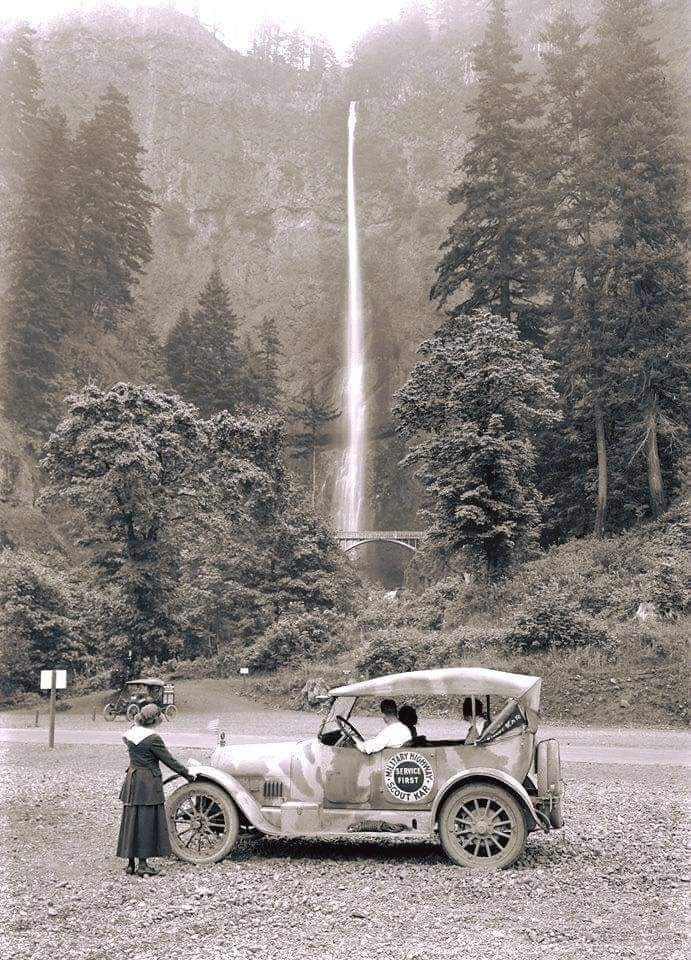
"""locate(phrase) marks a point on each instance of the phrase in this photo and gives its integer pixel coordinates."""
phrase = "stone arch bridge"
(410, 539)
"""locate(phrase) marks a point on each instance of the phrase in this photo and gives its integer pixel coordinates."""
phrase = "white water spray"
(351, 476)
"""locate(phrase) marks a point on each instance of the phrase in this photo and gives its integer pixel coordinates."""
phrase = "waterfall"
(349, 487)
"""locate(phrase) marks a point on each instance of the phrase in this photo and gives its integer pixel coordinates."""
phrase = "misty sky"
(340, 21)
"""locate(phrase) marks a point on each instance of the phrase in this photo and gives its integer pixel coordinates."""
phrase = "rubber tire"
(230, 812)
(109, 712)
(482, 791)
(170, 712)
(548, 767)
(132, 711)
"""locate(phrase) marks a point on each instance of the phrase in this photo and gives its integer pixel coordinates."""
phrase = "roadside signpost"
(53, 680)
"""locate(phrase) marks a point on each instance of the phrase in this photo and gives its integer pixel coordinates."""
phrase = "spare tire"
(549, 783)
(548, 764)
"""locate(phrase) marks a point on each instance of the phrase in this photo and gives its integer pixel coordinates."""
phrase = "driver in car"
(394, 734)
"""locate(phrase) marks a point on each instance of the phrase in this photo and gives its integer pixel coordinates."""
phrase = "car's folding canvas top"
(451, 682)
(148, 681)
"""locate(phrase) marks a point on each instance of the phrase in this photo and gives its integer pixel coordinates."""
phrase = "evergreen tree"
(21, 106)
(38, 307)
(312, 413)
(268, 354)
(470, 407)
(113, 210)
(573, 272)
(203, 358)
(638, 163)
(489, 258)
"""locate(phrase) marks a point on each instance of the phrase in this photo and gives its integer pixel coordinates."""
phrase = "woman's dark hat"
(148, 713)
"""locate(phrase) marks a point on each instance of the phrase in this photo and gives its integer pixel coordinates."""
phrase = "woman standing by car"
(143, 828)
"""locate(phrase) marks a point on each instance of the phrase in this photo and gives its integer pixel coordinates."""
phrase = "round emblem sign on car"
(409, 776)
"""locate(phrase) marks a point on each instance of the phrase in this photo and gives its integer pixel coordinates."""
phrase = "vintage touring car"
(135, 693)
(481, 798)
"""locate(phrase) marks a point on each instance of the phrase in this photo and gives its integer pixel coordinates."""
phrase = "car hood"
(256, 759)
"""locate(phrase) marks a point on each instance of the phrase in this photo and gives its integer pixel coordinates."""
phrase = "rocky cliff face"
(247, 163)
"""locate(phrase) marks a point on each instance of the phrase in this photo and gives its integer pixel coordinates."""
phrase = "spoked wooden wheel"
(203, 822)
(482, 826)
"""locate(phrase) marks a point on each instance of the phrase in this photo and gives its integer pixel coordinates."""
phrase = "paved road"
(627, 747)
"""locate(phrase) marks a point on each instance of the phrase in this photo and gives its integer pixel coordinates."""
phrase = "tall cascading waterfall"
(349, 487)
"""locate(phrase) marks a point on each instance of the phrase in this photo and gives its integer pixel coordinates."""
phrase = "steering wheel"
(347, 729)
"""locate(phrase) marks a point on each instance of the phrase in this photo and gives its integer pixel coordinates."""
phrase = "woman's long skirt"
(143, 831)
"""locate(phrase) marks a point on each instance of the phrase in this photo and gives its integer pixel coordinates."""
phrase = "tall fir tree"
(203, 358)
(269, 352)
(573, 272)
(38, 308)
(638, 162)
(114, 210)
(488, 258)
(21, 106)
(469, 410)
(312, 413)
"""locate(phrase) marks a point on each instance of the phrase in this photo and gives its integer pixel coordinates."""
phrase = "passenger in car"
(394, 734)
(472, 714)
(408, 717)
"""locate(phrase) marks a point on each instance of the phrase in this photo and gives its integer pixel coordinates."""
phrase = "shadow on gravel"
(540, 852)
(278, 848)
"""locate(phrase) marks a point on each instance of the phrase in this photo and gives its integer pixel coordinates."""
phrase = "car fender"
(243, 800)
(497, 776)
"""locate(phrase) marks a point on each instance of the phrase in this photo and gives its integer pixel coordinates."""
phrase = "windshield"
(341, 706)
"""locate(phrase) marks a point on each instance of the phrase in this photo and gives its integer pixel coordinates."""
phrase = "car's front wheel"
(482, 825)
(109, 711)
(203, 822)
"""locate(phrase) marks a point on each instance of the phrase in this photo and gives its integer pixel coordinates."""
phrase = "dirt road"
(247, 722)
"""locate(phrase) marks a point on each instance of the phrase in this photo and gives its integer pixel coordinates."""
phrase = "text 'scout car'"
(482, 799)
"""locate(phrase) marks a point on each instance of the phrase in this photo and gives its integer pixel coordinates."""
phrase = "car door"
(347, 776)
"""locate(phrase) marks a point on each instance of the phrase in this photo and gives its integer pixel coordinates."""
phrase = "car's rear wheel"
(109, 711)
(203, 822)
(481, 825)
(170, 712)
(132, 711)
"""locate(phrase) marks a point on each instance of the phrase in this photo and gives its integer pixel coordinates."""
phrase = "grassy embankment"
(568, 616)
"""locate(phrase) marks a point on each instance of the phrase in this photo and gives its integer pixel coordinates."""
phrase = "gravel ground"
(611, 885)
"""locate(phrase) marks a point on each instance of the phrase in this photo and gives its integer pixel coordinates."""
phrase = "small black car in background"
(135, 693)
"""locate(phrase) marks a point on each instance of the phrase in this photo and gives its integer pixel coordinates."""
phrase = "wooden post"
(51, 723)
(36, 719)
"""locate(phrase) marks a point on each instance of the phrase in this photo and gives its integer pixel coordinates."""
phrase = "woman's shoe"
(147, 872)
(130, 871)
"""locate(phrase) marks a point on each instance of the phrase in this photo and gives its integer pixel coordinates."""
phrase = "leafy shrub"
(553, 621)
(292, 637)
(427, 610)
(393, 651)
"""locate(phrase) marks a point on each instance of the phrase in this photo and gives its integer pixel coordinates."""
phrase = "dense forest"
(537, 401)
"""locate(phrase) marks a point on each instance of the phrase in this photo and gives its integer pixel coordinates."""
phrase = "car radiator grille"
(273, 790)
